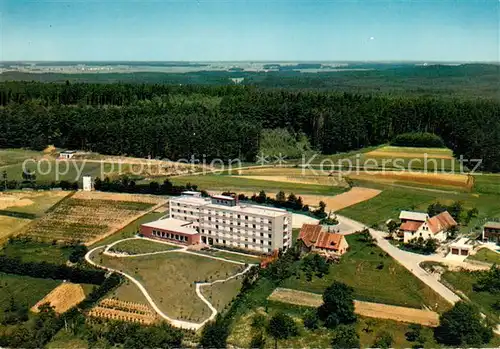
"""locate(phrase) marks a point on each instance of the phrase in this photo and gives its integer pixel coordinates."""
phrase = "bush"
(383, 340)
(345, 337)
(418, 139)
(311, 320)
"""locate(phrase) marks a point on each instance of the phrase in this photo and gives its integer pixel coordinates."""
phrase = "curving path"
(173, 322)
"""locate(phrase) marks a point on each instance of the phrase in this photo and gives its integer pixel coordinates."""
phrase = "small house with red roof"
(313, 238)
(436, 227)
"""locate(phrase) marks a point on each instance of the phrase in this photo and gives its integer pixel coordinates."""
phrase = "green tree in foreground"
(338, 305)
(281, 326)
(311, 320)
(463, 325)
(383, 340)
(214, 334)
(345, 337)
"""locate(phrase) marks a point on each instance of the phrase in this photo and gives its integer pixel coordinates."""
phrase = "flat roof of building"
(223, 197)
(414, 216)
(191, 192)
(252, 209)
(191, 199)
(173, 225)
(494, 225)
(462, 243)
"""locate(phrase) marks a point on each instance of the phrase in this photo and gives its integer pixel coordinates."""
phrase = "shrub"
(418, 139)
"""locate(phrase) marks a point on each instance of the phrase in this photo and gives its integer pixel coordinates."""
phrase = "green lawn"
(170, 279)
(25, 290)
(233, 183)
(375, 277)
(139, 246)
(486, 255)
(463, 281)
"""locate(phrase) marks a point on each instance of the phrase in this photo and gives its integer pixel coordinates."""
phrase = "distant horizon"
(250, 31)
(246, 61)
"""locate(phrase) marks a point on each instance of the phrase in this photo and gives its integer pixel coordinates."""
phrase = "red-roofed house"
(436, 227)
(314, 239)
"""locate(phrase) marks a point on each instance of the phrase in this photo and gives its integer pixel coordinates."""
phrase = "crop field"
(237, 184)
(115, 309)
(375, 277)
(29, 203)
(63, 297)
(486, 255)
(131, 229)
(10, 225)
(367, 309)
(138, 246)
(90, 216)
(170, 279)
(453, 181)
(24, 290)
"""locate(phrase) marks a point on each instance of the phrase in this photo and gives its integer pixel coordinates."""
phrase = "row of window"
(172, 236)
(224, 242)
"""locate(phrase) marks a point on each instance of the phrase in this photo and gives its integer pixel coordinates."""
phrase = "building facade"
(313, 238)
(491, 232)
(222, 220)
(171, 230)
(436, 227)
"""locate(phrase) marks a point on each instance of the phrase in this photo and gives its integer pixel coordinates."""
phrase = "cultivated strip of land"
(368, 309)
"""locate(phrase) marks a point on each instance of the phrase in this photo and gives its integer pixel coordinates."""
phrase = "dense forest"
(227, 121)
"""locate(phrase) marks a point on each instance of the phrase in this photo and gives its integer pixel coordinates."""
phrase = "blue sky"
(338, 30)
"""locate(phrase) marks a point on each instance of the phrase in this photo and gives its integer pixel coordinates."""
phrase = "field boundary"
(368, 309)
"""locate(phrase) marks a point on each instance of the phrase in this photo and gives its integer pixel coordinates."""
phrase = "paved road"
(410, 261)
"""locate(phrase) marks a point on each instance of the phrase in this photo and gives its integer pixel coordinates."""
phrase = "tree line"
(227, 121)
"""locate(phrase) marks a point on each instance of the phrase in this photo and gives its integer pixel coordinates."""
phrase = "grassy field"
(10, 225)
(486, 255)
(391, 201)
(25, 290)
(233, 183)
(170, 279)
(139, 246)
(367, 329)
(487, 183)
(231, 256)
(128, 292)
(87, 217)
(463, 281)
(16, 156)
(221, 294)
(32, 251)
(375, 277)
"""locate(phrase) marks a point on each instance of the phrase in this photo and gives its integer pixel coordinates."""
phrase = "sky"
(243, 30)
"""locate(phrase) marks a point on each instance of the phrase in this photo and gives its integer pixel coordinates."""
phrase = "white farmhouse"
(436, 227)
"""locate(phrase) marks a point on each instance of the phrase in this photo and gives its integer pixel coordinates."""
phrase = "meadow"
(24, 290)
(221, 294)
(486, 255)
(375, 277)
(170, 280)
(392, 200)
(231, 256)
(367, 329)
(16, 156)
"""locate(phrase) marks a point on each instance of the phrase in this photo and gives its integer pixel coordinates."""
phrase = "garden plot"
(63, 297)
(91, 216)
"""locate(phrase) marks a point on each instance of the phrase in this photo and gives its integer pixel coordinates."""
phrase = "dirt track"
(368, 309)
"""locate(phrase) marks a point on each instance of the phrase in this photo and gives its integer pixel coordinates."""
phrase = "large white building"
(222, 220)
